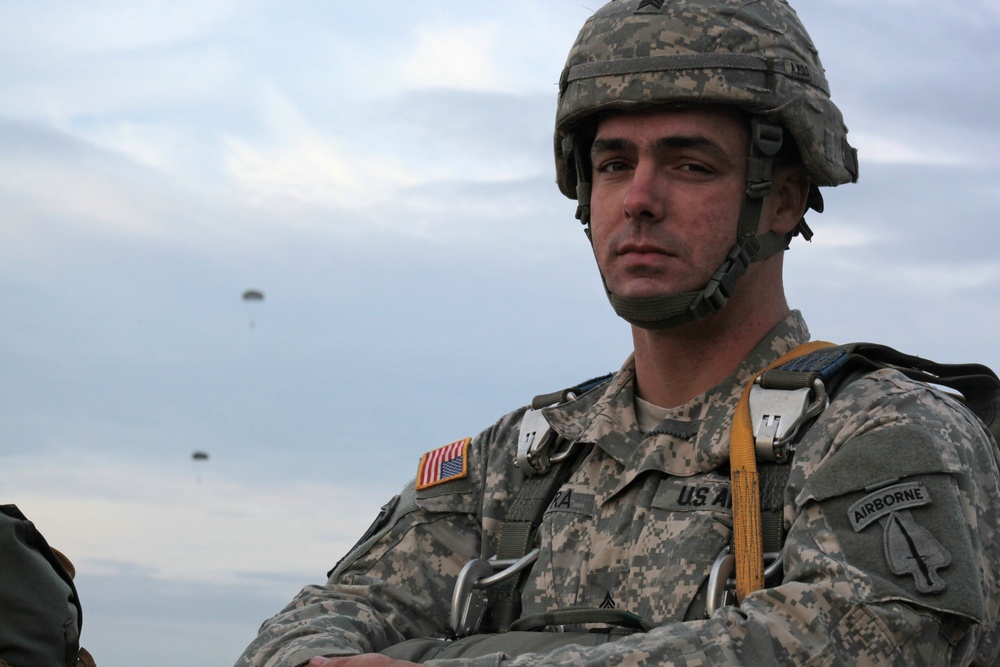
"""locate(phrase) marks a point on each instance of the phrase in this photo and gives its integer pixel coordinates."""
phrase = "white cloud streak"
(188, 524)
(451, 56)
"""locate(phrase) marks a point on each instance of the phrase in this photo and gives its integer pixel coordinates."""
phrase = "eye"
(696, 168)
(611, 166)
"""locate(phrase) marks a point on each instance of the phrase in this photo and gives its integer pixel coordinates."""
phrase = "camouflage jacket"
(644, 516)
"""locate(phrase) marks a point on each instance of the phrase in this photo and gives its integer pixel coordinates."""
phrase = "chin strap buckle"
(720, 288)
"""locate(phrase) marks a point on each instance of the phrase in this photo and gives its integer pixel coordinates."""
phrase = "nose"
(644, 200)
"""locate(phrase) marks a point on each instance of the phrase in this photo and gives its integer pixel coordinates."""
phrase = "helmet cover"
(752, 54)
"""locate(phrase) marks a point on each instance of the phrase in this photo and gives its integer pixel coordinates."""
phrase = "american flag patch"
(444, 464)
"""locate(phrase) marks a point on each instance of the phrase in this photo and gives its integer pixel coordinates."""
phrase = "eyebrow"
(613, 144)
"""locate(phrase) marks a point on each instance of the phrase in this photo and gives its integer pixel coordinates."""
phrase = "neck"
(676, 365)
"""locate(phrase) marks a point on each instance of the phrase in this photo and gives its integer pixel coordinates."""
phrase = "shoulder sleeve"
(396, 583)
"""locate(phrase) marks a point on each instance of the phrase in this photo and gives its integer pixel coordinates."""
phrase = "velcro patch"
(911, 549)
(893, 498)
(444, 464)
(692, 494)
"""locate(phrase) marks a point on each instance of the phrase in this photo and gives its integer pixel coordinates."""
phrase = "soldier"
(694, 134)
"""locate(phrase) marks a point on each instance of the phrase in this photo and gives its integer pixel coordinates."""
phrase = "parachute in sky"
(252, 296)
(200, 456)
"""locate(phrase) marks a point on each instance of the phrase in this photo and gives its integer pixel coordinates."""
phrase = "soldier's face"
(667, 192)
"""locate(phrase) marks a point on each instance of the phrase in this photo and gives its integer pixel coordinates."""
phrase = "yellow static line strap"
(747, 539)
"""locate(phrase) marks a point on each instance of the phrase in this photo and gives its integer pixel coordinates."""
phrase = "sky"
(382, 173)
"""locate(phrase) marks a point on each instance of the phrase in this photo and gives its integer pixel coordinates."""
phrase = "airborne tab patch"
(444, 464)
(885, 501)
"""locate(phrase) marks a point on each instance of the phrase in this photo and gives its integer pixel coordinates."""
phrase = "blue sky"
(382, 173)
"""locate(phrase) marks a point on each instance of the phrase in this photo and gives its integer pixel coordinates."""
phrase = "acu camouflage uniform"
(643, 517)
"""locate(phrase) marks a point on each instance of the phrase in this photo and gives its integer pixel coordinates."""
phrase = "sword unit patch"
(444, 464)
(911, 549)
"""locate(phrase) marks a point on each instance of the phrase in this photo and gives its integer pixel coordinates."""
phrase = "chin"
(647, 289)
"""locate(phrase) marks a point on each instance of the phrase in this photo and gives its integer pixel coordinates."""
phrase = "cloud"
(48, 175)
(451, 56)
(57, 31)
(135, 619)
(886, 149)
(435, 164)
(187, 523)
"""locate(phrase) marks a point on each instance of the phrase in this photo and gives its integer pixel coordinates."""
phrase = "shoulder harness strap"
(788, 395)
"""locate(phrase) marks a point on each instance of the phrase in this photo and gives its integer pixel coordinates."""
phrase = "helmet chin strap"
(674, 310)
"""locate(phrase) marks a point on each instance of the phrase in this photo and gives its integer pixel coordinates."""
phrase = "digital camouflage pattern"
(753, 54)
(641, 520)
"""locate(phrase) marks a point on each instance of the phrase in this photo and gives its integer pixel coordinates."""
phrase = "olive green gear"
(750, 54)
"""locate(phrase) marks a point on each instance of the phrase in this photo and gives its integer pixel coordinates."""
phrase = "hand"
(363, 660)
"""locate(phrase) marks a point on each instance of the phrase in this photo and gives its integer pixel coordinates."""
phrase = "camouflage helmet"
(752, 54)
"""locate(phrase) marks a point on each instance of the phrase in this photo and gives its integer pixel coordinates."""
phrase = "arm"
(396, 583)
(397, 589)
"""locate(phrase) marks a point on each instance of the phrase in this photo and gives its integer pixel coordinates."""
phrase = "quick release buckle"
(722, 582)
(468, 600)
(539, 446)
(777, 414)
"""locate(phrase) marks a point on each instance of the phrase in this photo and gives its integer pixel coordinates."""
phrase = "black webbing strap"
(626, 620)
(773, 480)
(799, 373)
(970, 380)
(517, 537)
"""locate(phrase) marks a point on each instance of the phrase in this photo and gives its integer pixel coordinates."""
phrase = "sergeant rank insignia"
(444, 464)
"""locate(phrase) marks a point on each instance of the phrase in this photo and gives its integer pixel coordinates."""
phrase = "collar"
(694, 438)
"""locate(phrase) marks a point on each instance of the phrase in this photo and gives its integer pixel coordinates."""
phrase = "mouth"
(643, 250)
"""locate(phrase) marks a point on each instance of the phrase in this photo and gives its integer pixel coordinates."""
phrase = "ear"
(786, 204)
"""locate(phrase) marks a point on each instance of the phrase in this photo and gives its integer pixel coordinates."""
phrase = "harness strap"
(748, 544)
(773, 480)
(836, 365)
(517, 537)
(626, 620)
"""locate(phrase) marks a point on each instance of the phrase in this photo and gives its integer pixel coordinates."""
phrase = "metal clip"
(535, 453)
(777, 414)
(468, 604)
(722, 585)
